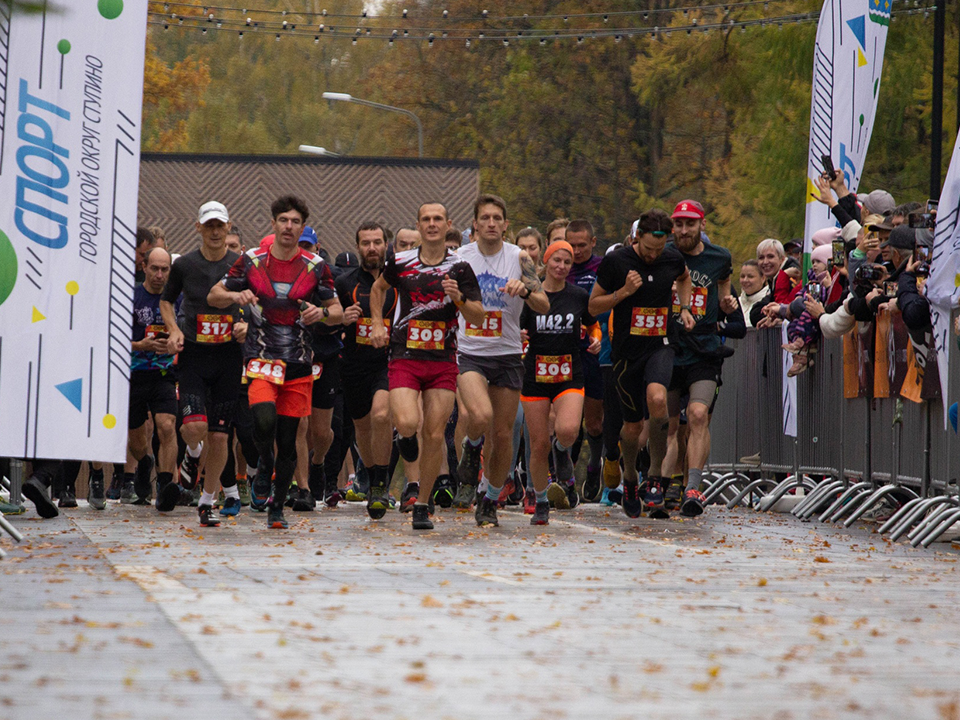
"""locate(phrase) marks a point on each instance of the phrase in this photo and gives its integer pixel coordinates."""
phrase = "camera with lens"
(867, 276)
(923, 221)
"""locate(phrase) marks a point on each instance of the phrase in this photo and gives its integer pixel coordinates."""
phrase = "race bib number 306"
(554, 368)
(364, 327)
(649, 322)
(492, 325)
(273, 371)
(426, 334)
(214, 328)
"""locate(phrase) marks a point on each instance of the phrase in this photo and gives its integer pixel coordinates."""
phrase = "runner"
(289, 289)
(553, 376)
(432, 285)
(153, 383)
(696, 367)
(366, 387)
(210, 361)
(636, 282)
(491, 371)
(406, 239)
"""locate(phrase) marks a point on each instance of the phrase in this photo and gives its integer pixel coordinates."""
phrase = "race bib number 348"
(214, 328)
(649, 322)
(426, 334)
(273, 371)
(554, 368)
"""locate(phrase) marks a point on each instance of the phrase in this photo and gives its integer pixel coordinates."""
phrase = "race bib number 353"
(364, 327)
(492, 325)
(214, 328)
(554, 368)
(273, 371)
(649, 322)
(426, 334)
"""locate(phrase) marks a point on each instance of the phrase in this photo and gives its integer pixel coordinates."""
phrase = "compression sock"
(694, 476)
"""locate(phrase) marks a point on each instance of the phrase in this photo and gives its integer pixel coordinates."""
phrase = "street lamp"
(315, 150)
(346, 97)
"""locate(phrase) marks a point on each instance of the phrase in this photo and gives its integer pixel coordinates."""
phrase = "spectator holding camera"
(804, 331)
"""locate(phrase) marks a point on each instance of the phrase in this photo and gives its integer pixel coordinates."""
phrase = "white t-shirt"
(500, 332)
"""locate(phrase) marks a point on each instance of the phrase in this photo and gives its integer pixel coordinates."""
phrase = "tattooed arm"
(528, 286)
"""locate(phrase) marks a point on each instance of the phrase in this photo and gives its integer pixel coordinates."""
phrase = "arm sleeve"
(838, 323)
(756, 312)
(390, 268)
(343, 292)
(174, 286)
(850, 207)
(467, 281)
(324, 289)
(841, 213)
(914, 307)
(733, 325)
(236, 278)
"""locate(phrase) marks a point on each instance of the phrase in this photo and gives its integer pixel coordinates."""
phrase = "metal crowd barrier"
(848, 453)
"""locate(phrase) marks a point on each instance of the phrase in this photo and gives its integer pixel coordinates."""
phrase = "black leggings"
(268, 428)
(612, 416)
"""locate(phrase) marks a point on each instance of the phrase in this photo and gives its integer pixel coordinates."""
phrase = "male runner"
(153, 382)
(696, 367)
(210, 361)
(406, 239)
(637, 282)
(433, 285)
(491, 368)
(289, 289)
(366, 387)
(583, 274)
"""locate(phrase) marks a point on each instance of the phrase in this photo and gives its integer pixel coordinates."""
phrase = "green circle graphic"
(110, 9)
(8, 267)
(63, 47)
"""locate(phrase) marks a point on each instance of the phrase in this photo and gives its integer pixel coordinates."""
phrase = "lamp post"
(316, 150)
(346, 97)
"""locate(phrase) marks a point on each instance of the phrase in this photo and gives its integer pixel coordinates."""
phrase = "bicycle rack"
(815, 499)
(846, 495)
(871, 501)
(785, 486)
(917, 511)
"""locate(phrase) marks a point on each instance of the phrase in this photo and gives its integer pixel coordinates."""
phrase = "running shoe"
(486, 513)
(304, 501)
(465, 497)
(275, 518)
(259, 493)
(611, 496)
(207, 518)
(408, 497)
(186, 496)
(562, 463)
(674, 496)
(116, 484)
(231, 507)
(392, 502)
(468, 469)
(541, 515)
(68, 498)
(519, 488)
(95, 494)
(189, 471)
(443, 491)
(693, 503)
(378, 504)
(573, 499)
(128, 492)
(611, 473)
(141, 481)
(530, 502)
(591, 485)
(39, 494)
(557, 496)
(292, 494)
(167, 496)
(631, 503)
(653, 499)
(8, 509)
(243, 487)
(333, 496)
(421, 518)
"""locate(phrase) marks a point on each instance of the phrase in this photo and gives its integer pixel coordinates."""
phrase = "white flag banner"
(789, 391)
(847, 62)
(70, 105)
(943, 286)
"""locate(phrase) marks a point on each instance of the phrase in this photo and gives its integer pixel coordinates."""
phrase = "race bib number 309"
(492, 325)
(649, 322)
(426, 334)
(214, 328)
(554, 368)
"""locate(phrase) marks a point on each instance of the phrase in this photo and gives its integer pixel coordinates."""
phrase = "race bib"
(698, 302)
(152, 331)
(649, 322)
(273, 371)
(524, 346)
(492, 325)
(554, 368)
(364, 328)
(426, 334)
(214, 328)
(317, 370)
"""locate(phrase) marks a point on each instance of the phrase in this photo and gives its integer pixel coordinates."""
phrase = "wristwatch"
(524, 297)
(326, 312)
(688, 308)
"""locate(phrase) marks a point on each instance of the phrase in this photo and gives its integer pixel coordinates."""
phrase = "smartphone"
(161, 336)
(932, 206)
(923, 253)
(890, 288)
(303, 305)
(839, 253)
(814, 289)
(828, 169)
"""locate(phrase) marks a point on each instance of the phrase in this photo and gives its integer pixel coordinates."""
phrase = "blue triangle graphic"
(73, 391)
(859, 27)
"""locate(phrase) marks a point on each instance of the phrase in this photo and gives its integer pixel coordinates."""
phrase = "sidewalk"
(127, 614)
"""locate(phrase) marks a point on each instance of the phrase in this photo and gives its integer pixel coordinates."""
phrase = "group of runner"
(556, 342)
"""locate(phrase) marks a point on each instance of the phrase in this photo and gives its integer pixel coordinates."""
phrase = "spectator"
(877, 202)
(804, 331)
(782, 276)
(900, 213)
(530, 240)
(752, 288)
(794, 250)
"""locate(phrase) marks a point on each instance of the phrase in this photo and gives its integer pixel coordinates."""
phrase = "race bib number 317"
(649, 322)
(426, 334)
(214, 328)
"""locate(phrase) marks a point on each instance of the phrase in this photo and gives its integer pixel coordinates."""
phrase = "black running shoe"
(377, 502)
(421, 518)
(275, 518)
(167, 496)
(591, 485)
(468, 469)
(674, 496)
(304, 501)
(443, 491)
(541, 514)
(68, 498)
(332, 497)
(631, 503)
(38, 493)
(693, 503)
(486, 513)
(188, 471)
(95, 494)
(563, 464)
(128, 493)
(572, 497)
(116, 483)
(465, 496)
(259, 493)
(207, 518)
(141, 481)
(408, 497)
(292, 494)
(653, 499)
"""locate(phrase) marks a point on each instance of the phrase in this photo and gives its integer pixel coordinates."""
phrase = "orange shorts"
(293, 398)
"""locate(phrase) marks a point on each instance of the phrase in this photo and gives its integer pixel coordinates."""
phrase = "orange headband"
(557, 245)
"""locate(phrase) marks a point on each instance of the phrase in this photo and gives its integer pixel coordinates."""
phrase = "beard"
(687, 243)
(370, 263)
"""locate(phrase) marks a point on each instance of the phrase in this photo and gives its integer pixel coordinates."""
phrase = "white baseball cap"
(213, 211)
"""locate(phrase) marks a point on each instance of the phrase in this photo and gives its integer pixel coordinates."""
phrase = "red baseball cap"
(688, 209)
